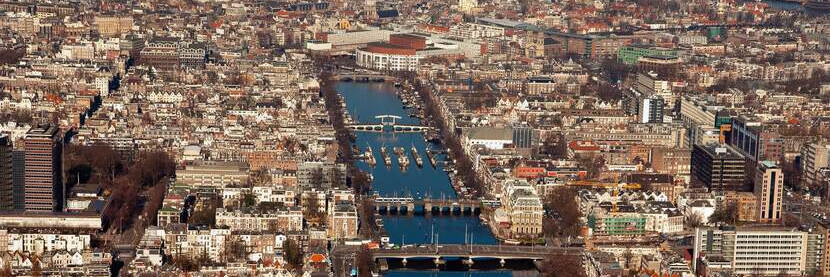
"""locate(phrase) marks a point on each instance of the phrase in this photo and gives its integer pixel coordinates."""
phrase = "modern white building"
(383, 56)
(489, 137)
(756, 251)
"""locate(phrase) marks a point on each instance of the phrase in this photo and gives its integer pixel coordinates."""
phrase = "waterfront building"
(385, 56)
(524, 207)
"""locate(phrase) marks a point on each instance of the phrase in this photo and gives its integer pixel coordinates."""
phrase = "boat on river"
(403, 162)
(370, 157)
(431, 158)
(386, 159)
(418, 160)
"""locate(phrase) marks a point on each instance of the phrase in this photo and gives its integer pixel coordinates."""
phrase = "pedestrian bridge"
(388, 120)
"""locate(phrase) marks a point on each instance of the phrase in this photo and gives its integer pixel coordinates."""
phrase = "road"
(343, 259)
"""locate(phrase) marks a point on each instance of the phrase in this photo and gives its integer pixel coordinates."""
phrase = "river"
(784, 5)
(364, 101)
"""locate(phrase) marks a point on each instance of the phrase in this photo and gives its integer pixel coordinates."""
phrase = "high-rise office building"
(719, 167)
(769, 191)
(6, 185)
(44, 187)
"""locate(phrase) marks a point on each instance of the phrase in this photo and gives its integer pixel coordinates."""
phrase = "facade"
(523, 136)
(18, 178)
(746, 204)
(6, 183)
(170, 53)
(491, 138)
(113, 26)
(384, 56)
(617, 224)
(44, 188)
(467, 6)
(754, 141)
(718, 167)
(285, 220)
(342, 221)
(651, 109)
(215, 174)
(631, 54)
(764, 251)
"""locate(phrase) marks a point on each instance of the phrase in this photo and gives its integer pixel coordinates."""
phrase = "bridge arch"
(384, 119)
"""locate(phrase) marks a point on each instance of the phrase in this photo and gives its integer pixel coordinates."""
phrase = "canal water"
(364, 101)
(784, 5)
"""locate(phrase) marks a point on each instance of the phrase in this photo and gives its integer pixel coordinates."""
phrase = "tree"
(7, 270)
(260, 177)
(555, 147)
(205, 214)
(106, 161)
(593, 165)
(725, 213)
(248, 199)
(311, 207)
(364, 263)
(37, 269)
(609, 93)
(563, 265)
(155, 202)
(694, 220)
(235, 250)
(293, 253)
(563, 213)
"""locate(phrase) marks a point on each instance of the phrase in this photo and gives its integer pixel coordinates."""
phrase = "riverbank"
(462, 162)
(359, 180)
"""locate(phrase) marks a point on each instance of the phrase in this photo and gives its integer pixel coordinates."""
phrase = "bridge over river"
(469, 252)
(387, 120)
(406, 205)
